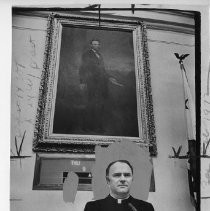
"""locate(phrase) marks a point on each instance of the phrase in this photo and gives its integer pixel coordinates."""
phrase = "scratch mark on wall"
(19, 68)
(30, 97)
(19, 65)
(29, 84)
(19, 96)
(19, 89)
(36, 77)
(205, 101)
(24, 83)
(16, 199)
(33, 46)
(205, 133)
(30, 121)
(34, 65)
(18, 107)
(207, 175)
(206, 111)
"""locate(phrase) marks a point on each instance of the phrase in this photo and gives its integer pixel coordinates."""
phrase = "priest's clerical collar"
(119, 201)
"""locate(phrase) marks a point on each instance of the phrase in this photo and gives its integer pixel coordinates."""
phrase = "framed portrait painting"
(95, 86)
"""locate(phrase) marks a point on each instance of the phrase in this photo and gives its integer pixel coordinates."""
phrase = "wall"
(205, 114)
(170, 174)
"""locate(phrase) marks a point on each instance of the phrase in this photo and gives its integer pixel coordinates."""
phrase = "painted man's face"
(119, 179)
(95, 45)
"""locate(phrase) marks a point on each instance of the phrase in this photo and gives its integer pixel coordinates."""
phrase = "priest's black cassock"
(112, 204)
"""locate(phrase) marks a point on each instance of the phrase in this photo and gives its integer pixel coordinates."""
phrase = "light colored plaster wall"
(205, 108)
(170, 175)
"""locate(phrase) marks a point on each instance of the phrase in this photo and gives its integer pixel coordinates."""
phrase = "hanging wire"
(99, 15)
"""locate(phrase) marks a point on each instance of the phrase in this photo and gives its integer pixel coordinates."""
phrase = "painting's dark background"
(120, 117)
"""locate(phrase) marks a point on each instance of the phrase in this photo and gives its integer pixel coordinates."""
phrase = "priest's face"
(119, 179)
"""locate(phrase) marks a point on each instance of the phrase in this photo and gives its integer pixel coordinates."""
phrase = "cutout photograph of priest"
(119, 177)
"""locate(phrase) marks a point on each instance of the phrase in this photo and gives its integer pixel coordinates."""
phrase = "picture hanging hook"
(132, 8)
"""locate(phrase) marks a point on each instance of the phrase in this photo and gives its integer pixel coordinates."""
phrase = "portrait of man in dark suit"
(94, 81)
(119, 177)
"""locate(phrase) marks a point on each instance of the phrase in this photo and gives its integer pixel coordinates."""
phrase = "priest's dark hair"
(120, 161)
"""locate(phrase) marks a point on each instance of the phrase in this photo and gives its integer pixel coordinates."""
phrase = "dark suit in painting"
(92, 74)
(111, 204)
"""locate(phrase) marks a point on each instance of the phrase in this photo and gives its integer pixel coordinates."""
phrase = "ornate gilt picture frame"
(108, 107)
